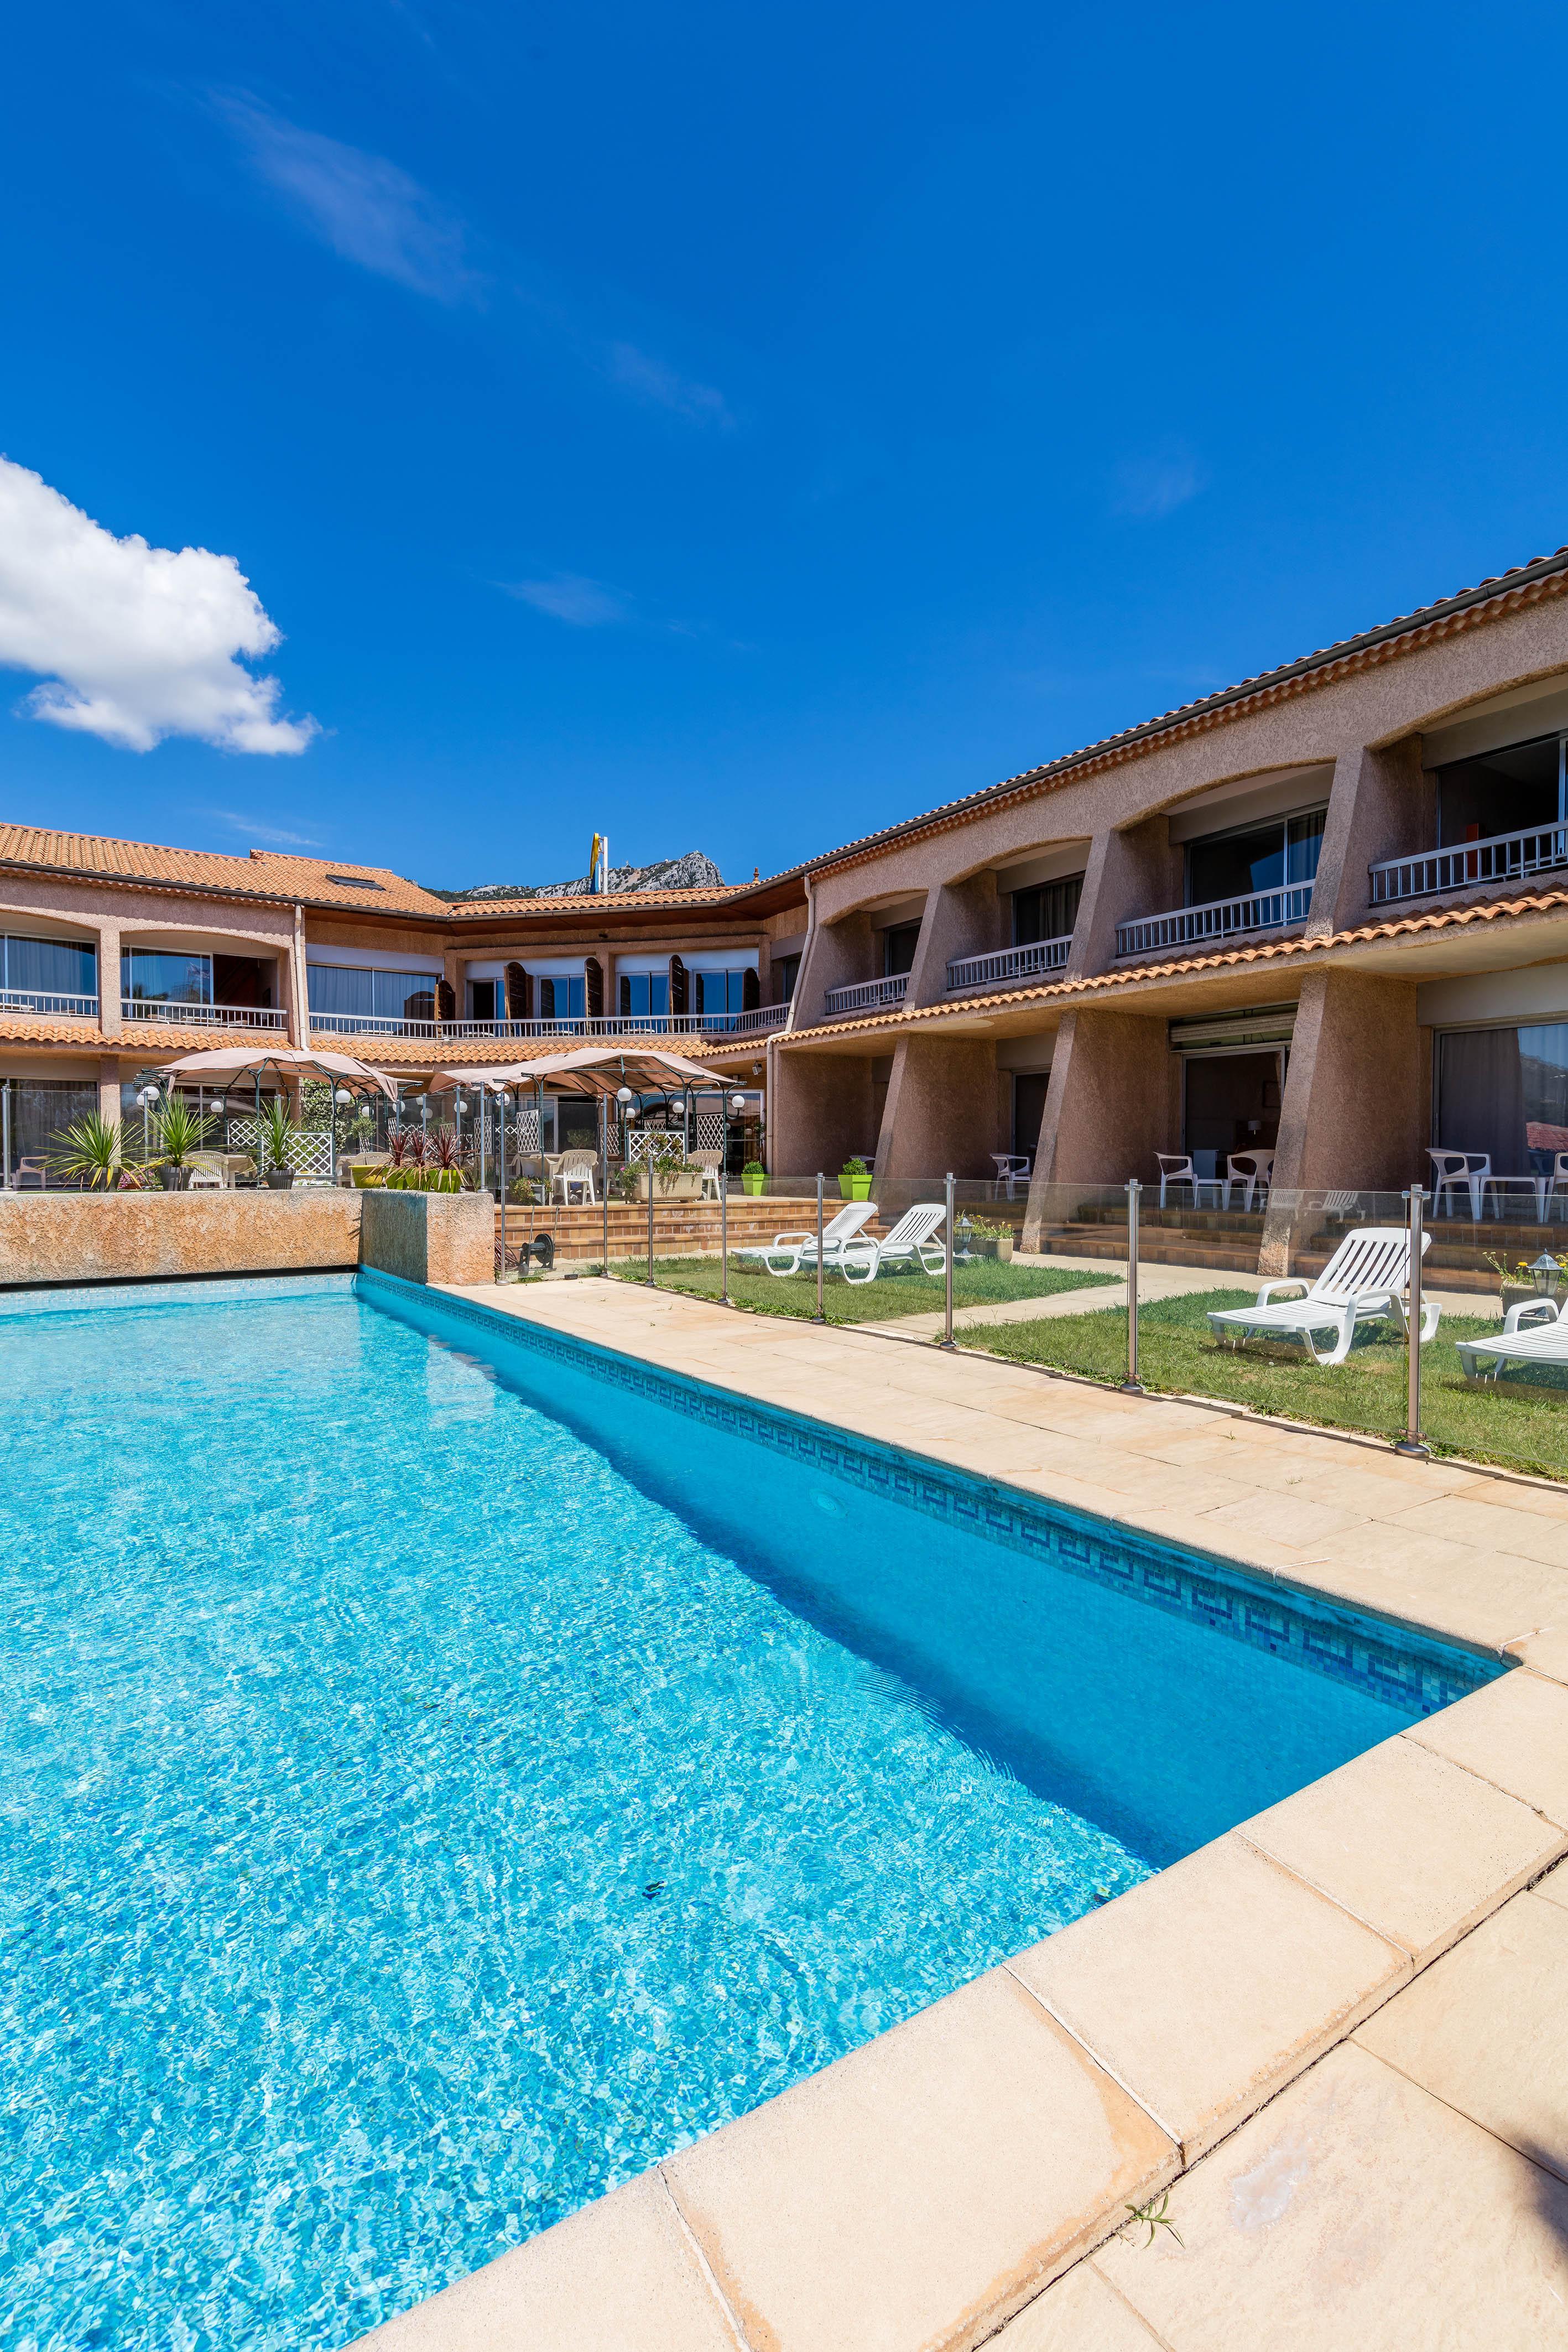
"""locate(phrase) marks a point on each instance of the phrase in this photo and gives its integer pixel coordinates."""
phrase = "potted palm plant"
(92, 1154)
(854, 1182)
(274, 1137)
(180, 1131)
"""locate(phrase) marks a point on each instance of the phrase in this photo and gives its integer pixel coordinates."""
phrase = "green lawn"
(983, 1283)
(1522, 1424)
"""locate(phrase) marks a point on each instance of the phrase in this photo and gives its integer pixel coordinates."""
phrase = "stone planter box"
(1515, 1293)
(679, 1188)
(996, 1246)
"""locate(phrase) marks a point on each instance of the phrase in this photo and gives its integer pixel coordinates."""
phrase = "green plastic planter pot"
(754, 1183)
(855, 1188)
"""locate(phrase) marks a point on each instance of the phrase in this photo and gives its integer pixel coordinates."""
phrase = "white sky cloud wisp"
(133, 643)
(585, 604)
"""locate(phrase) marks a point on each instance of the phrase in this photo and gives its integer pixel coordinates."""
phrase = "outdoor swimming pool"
(445, 1771)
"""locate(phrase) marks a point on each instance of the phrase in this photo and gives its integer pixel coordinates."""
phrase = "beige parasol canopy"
(591, 1070)
(220, 1068)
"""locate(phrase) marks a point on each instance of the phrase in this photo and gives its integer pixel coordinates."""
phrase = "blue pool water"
(439, 1778)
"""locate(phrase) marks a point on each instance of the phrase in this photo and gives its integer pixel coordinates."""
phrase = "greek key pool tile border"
(1399, 1666)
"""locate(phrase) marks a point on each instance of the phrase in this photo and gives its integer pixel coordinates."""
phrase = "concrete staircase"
(1226, 1240)
(681, 1228)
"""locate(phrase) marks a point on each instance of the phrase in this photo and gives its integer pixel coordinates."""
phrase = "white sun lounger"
(1545, 1342)
(913, 1237)
(796, 1249)
(1362, 1283)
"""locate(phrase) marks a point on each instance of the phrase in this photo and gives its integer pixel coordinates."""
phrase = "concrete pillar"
(292, 972)
(961, 918)
(940, 1117)
(1382, 804)
(1114, 1101)
(1351, 1116)
(836, 954)
(109, 1019)
(109, 1087)
(819, 1111)
(1136, 871)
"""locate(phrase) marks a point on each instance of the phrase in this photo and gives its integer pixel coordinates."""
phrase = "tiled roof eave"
(1109, 983)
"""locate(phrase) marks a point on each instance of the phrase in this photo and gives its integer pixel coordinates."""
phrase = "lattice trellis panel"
(653, 1142)
(310, 1149)
(708, 1131)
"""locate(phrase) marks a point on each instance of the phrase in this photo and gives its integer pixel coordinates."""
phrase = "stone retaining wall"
(68, 1237)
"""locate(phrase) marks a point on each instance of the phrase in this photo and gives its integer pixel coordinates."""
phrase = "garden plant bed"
(983, 1283)
(1522, 1422)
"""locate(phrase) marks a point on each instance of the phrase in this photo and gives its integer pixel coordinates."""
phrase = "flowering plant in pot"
(275, 1134)
(855, 1181)
(754, 1176)
(980, 1237)
(180, 1131)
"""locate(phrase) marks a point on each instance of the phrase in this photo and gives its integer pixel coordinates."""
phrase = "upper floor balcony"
(1029, 962)
(1468, 864)
(869, 995)
(1276, 910)
(59, 1005)
(177, 1012)
(1250, 878)
(571, 1028)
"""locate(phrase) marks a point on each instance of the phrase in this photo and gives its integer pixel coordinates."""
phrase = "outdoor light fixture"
(737, 1104)
(623, 1094)
(1546, 1273)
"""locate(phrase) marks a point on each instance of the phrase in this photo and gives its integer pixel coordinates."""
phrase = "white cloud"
(133, 643)
(586, 604)
(1151, 486)
(273, 834)
(365, 208)
(636, 371)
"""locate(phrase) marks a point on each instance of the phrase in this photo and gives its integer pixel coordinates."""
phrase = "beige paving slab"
(1486, 2030)
(919, 2190)
(619, 2276)
(1515, 1733)
(1207, 1986)
(1483, 1604)
(1545, 1650)
(1291, 1518)
(1356, 2214)
(1081, 2313)
(1492, 1525)
(1409, 1843)
(1553, 1887)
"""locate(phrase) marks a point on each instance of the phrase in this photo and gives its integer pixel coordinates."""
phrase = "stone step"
(1158, 1248)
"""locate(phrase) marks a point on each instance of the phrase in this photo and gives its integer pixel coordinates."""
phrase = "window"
(1254, 858)
(1505, 1091)
(1046, 912)
(355, 882)
(346, 991)
(560, 1000)
(1502, 792)
(719, 992)
(153, 976)
(48, 967)
(482, 1000)
(898, 945)
(646, 992)
(785, 972)
(40, 1111)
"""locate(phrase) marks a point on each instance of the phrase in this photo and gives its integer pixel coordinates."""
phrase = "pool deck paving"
(1336, 2038)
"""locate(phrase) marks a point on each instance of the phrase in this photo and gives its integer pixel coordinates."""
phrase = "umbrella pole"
(502, 1108)
(605, 1179)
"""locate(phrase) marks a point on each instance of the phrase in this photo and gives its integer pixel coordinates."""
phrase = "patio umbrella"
(224, 1063)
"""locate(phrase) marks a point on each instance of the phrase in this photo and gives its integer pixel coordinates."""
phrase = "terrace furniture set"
(1470, 1172)
(848, 1250)
(1252, 1172)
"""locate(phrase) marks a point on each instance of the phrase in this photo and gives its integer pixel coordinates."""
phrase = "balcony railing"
(869, 995)
(1009, 963)
(1504, 858)
(173, 1014)
(616, 1025)
(1223, 918)
(43, 1000)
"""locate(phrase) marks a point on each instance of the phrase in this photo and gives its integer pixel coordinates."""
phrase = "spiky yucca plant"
(93, 1153)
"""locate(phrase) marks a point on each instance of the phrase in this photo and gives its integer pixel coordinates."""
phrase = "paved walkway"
(1338, 2036)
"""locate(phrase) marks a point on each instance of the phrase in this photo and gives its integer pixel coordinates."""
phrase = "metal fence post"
(947, 1332)
(604, 1181)
(1412, 1442)
(1132, 1385)
(501, 1141)
(819, 1316)
(648, 1180)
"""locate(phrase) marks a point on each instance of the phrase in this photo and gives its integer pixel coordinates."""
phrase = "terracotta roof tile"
(1056, 991)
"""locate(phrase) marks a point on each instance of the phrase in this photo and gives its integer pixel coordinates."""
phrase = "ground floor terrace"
(1265, 1098)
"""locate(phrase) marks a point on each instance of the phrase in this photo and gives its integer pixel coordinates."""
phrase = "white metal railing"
(865, 993)
(1009, 963)
(43, 1000)
(1503, 857)
(609, 1025)
(173, 1014)
(1222, 918)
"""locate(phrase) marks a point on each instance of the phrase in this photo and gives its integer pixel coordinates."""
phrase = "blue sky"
(736, 428)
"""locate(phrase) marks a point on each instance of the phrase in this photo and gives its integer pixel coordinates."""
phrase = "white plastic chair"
(1175, 1168)
(1456, 1171)
(1253, 1170)
(796, 1247)
(208, 1173)
(1010, 1167)
(708, 1162)
(574, 1170)
(1545, 1342)
(1362, 1283)
(912, 1238)
(1557, 1181)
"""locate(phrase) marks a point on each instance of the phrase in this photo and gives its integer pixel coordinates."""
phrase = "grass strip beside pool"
(1522, 1423)
(984, 1281)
